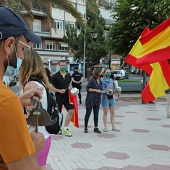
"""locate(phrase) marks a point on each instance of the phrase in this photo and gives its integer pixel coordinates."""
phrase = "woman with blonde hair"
(32, 66)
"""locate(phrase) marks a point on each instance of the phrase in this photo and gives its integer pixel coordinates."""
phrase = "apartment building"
(52, 48)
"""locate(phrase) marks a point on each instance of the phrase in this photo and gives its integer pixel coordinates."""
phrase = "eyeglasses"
(27, 47)
(108, 72)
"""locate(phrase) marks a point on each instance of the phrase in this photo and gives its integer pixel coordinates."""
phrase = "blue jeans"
(96, 115)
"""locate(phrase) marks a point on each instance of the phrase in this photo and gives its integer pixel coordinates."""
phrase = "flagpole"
(144, 84)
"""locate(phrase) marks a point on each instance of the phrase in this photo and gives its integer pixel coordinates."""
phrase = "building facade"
(52, 48)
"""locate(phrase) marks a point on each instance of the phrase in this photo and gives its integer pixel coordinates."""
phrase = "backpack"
(52, 109)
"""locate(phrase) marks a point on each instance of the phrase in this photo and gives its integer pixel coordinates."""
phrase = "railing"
(107, 5)
(41, 29)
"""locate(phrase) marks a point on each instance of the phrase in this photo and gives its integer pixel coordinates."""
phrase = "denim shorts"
(107, 102)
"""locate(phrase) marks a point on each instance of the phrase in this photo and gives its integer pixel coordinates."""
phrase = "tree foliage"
(95, 50)
(18, 5)
(131, 17)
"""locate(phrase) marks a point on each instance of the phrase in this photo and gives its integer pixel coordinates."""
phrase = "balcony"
(34, 9)
(106, 5)
(43, 31)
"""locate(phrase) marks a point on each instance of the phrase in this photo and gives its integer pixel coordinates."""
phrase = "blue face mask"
(9, 71)
(19, 62)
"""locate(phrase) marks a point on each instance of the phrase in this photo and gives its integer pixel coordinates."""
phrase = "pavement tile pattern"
(143, 142)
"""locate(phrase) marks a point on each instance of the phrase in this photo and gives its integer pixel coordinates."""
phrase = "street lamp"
(94, 34)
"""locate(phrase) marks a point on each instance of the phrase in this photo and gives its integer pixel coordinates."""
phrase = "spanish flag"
(158, 72)
(73, 100)
(156, 45)
(133, 55)
(158, 83)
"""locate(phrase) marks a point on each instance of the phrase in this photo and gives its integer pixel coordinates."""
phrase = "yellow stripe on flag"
(160, 41)
(157, 83)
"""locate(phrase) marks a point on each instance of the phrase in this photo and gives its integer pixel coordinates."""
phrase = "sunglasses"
(27, 47)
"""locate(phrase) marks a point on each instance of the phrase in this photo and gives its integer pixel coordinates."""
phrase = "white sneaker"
(105, 130)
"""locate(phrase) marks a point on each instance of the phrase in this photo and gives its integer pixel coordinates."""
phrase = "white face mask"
(19, 62)
(9, 71)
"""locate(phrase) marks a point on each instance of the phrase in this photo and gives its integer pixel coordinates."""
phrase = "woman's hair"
(96, 74)
(106, 69)
(32, 66)
(48, 72)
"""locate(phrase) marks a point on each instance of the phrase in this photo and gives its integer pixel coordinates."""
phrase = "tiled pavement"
(142, 144)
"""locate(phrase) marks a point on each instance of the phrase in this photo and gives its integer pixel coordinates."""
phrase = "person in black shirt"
(61, 80)
(77, 79)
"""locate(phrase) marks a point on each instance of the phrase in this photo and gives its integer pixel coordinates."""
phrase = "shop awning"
(63, 44)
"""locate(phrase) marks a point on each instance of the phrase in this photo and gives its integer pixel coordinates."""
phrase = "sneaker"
(105, 130)
(116, 130)
(60, 132)
(85, 130)
(66, 132)
(97, 130)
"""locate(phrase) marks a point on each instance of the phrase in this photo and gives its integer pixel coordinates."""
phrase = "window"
(59, 25)
(72, 25)
(37, 46)
(62, 46)
(37, 25)
(50, 45)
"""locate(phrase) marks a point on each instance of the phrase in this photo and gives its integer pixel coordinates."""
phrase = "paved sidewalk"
(142, 144)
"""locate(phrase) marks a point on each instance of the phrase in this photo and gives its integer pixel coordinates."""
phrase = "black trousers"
(88, 113)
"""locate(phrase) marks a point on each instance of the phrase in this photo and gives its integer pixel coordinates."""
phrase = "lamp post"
(84, 52)
(94, 34)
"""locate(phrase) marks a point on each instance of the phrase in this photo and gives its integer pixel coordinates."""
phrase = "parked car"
(119, 74)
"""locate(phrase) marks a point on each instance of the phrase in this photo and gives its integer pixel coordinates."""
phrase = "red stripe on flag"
(133, 61)
(73, 100)
(147, 95)
(158, 55)
(166, 70)
(161, 27)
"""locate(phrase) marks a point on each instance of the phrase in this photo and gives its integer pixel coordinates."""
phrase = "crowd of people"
(28, 149)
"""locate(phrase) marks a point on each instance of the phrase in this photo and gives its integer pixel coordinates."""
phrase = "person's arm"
(72, 79)
(27, 96)
(96, 90)
(90, 87)
(21, 153)
(27, 163)
(81, 80)
(52, 88)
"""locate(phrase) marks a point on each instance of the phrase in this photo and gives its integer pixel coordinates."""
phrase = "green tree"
(42, 5)
(131, 17)
(95, 50)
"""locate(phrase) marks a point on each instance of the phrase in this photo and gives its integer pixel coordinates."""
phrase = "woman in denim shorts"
(108, 103)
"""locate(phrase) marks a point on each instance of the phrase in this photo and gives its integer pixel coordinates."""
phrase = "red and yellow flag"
(158, 83)
(156, 44)
(159, 72)
(133, 55)
(73, 100)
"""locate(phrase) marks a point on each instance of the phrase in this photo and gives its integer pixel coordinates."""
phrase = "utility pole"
(84, 56)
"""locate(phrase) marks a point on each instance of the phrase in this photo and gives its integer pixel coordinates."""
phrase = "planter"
(130, 86)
